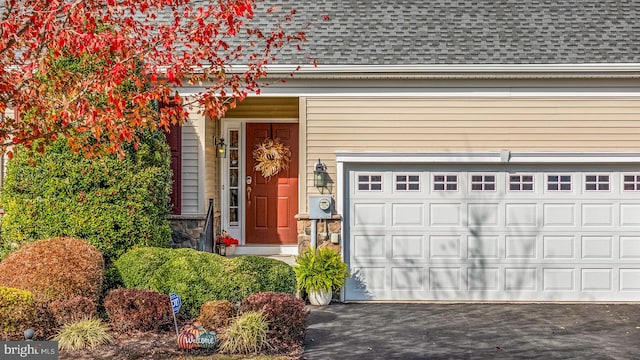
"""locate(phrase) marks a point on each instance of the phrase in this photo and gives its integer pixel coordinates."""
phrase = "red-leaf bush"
(55, 269)
(72, 310)
(135, 309)
(216, 315)
(286, 314)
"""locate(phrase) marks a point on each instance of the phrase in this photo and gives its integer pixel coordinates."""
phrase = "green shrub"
(199, 277)
(321, 269)
(135, 309)
(286, 314)
(247, 334)
(270, 275)
(112, 203)
(87, 333)
(72, 310)
(216, 315)
(17, 312)
(55, 269)
(137, 265)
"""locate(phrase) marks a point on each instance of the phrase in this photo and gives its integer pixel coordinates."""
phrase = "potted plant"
(227, 244)
(319, 273)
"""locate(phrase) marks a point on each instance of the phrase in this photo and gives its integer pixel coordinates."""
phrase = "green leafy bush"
(55, 269)
(272, 275)
(17, 312)
(72, 310)
(286, 314)
(83, 334)
(216, 315)
(247, 334)
(199, 277)
(321, 269)
(136, 266)
(112, 203)
(135, 309)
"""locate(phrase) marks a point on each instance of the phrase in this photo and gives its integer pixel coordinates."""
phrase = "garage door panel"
(517, 242)
(369, 247)
(483, 215)
(597, 247)
(597, 215)
(408, 247)
(559, 214)
(558, 247)
(369, 214)
(445, 247)
(483, 247)
(445, 278)
(521, 215)
(521, 247)
(558, 279)
(630, 247)
(407, 279)
(445, 214)
(483, 278)
(630, 215)
(408, 215)
(629, 279)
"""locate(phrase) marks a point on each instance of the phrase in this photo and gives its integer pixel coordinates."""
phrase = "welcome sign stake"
(176, 304)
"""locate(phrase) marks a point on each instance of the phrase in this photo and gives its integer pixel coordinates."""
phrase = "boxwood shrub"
(199, 277)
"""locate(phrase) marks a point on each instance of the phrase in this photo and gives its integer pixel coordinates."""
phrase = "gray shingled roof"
(469, 32)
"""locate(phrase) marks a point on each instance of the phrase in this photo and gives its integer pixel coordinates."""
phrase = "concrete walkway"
(473, 331)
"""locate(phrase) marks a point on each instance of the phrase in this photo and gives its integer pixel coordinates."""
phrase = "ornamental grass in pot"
(319, 273)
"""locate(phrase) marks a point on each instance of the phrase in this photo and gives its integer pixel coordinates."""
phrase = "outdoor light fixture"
(320, 176)
(221, 147)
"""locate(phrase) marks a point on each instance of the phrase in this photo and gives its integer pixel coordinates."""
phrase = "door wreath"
(271, 157)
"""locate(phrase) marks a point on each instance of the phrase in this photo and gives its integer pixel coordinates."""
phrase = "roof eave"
(479, 71)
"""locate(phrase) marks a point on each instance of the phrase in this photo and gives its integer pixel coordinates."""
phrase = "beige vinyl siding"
(468, 124)
(190, 190)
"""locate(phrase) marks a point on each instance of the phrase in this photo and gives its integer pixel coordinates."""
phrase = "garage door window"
(445, 182)
(407, 182)
(521, 182)
(370, 182)
(483, 182)
(596, 182)
(631, 182)
(559, 182)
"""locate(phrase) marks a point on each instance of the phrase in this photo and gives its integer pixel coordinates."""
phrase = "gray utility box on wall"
(320, 207)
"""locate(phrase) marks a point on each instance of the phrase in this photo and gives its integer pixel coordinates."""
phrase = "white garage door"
(493, 232)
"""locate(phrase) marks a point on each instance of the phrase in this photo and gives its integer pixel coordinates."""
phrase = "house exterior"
(473, 151)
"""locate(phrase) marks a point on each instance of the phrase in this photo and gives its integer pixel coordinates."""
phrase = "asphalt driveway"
(473, 331)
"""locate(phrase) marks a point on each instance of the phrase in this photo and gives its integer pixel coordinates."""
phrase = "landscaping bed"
(160, 345)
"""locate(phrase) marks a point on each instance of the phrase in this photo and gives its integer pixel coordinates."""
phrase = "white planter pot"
(230, 250)
(319, 297)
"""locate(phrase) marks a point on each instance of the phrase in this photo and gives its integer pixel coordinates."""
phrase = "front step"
(266, 250)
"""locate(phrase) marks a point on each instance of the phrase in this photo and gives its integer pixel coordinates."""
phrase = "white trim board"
(496, 157)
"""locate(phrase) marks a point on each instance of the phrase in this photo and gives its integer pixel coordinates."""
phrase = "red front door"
(272, 204)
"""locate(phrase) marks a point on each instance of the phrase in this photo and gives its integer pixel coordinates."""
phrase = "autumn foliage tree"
(129, 56)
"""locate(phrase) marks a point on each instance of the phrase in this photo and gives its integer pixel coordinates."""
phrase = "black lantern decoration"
(221, 147)
(320, 176)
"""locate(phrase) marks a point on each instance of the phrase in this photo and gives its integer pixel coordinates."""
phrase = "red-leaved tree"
(94, 71)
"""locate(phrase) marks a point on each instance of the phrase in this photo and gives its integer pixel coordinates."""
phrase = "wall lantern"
(221, 147)
(320, 176)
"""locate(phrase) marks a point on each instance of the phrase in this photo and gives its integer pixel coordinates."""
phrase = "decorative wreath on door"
(271, 157)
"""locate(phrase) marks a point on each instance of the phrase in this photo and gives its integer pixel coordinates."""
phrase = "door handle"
(249, 195)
